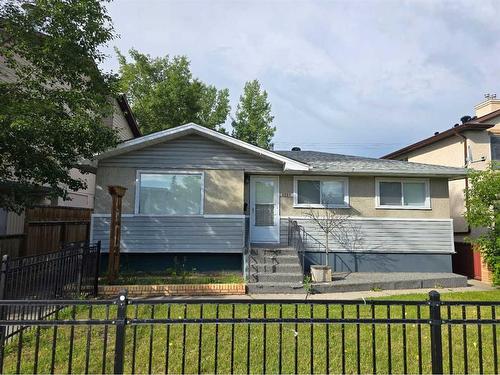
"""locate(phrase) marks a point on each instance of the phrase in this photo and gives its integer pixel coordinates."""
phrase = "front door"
(264, 209)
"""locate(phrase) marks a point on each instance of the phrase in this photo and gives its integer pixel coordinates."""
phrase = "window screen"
(495, 147)
(308, 192)
(403, 193)
(321, 192)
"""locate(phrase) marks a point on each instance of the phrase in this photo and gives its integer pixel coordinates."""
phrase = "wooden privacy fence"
(46, 228)
(11, 244)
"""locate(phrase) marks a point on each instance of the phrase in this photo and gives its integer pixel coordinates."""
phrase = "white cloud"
(333, 70)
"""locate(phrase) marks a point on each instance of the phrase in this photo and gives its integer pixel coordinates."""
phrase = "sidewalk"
(473, 286)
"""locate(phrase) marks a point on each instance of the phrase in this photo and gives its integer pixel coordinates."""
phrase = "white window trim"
(296, 203)
(426, 206)
(138, 189)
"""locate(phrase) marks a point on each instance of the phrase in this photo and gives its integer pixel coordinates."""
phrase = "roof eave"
(438, 137)
(129, 116)
(385, 173)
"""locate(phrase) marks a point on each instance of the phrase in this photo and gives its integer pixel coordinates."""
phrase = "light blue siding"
(174, 234)
(386, 236)
(192, 152)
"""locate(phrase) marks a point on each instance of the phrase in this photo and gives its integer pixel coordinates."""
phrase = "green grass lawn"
(181, 341)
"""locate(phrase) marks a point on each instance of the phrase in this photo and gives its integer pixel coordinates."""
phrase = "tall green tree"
(253, 118)
(164, 94)
(52, 95)
(483, 211)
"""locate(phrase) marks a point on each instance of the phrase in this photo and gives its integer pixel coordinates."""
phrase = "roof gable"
(191, 128)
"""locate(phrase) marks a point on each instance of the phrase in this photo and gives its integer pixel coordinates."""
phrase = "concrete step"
(273, 288)
(276, 277)
(274, 251)
(276, 268)
(274, 259)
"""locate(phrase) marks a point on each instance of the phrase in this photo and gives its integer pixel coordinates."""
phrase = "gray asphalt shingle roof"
(323, 162)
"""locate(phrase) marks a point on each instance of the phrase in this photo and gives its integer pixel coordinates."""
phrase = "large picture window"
(170, 193)
(321, 192)
(409, 194)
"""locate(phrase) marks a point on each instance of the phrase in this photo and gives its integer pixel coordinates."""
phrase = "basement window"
(402, 193)
(321, 192)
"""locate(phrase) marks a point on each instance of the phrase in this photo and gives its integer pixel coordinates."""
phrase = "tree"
(483, 211)
(52, 95)
(163, 93)
(339, 227)
(253, 117)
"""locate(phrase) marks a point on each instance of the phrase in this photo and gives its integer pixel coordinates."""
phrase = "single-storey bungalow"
(197, 196)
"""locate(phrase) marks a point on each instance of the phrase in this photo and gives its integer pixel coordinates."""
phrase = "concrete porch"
(375, 281)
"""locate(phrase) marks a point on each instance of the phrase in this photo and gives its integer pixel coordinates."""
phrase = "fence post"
(436, 337)
(97, 266)
(3, 283)
(82, 257)
(121, 321)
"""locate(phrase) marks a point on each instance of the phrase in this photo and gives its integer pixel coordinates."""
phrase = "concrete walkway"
(473, 286)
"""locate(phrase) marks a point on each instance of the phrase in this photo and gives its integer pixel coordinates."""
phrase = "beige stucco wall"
(450, 152)
(362, 200)
(223, 190)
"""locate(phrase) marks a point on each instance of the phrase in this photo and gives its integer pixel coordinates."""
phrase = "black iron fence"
(252, 336)
(67, 273)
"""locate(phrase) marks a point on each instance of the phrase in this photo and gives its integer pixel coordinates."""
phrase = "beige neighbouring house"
(472, 144)
(121, 119)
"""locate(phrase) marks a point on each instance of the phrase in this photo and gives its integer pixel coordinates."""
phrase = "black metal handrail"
(302, 241)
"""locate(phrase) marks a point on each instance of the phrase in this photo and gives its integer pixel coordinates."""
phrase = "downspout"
(466, 177)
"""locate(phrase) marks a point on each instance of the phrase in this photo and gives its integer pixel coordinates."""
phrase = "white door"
(264, 209)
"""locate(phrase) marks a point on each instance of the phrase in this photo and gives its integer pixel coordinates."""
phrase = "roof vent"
(436, 133)
(465, 119)
(295, 148)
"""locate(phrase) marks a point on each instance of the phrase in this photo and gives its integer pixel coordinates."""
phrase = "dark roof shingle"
(324, 162)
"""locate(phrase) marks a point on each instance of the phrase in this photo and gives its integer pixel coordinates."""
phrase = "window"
(409, 194)
(495, 147)
(321, 192)
(170, 193)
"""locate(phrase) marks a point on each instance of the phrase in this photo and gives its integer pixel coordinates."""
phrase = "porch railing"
(302, 241)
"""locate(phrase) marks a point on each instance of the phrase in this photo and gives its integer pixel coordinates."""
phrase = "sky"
(351, 77)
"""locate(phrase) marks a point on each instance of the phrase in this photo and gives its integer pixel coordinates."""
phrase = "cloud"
(382, 73)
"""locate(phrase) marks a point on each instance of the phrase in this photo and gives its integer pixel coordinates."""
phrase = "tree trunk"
(326, 250)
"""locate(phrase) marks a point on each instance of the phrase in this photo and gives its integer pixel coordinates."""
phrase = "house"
(193, 194)
(122, 119)
(472, 144)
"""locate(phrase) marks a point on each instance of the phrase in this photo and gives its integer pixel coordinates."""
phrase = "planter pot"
(321, 274)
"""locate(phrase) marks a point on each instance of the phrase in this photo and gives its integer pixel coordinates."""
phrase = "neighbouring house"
(122, 119)
(12, 225)
(472, 144)
(197, 197)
